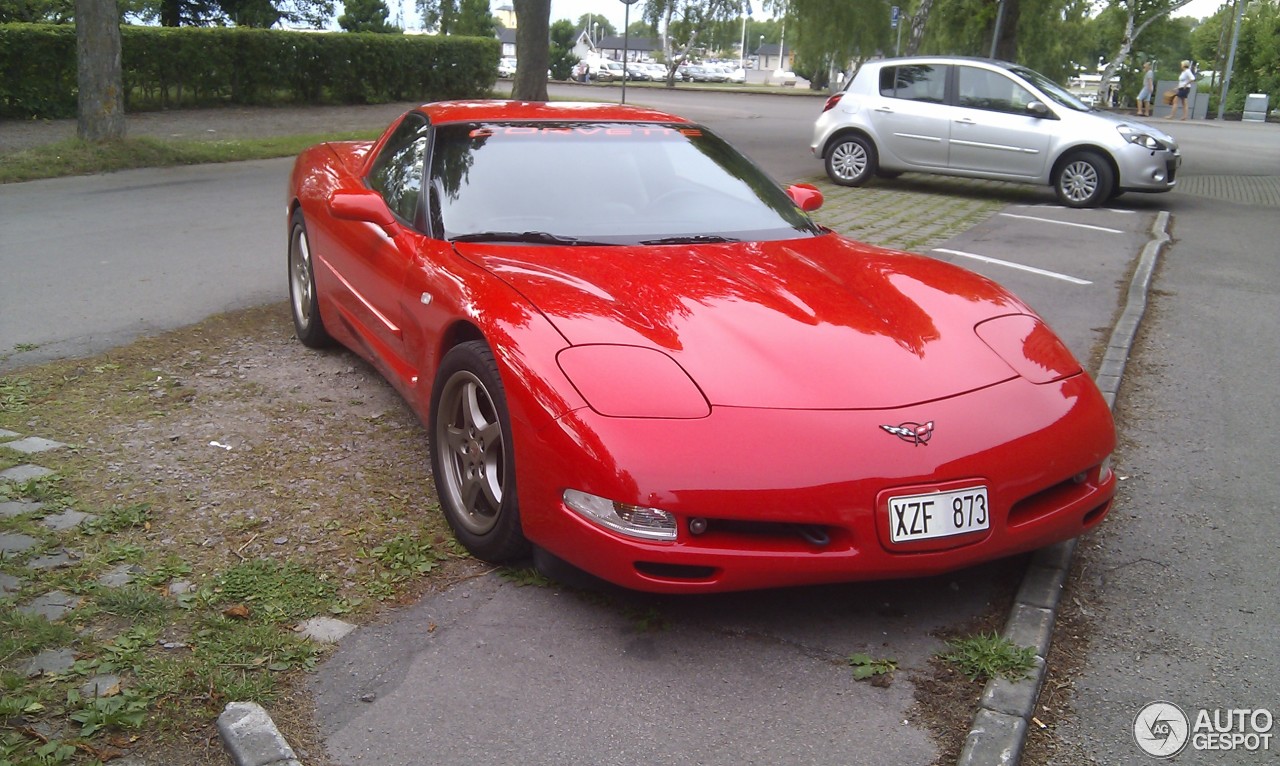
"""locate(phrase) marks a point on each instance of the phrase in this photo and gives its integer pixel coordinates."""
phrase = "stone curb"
(1000, 726)
(251, 738)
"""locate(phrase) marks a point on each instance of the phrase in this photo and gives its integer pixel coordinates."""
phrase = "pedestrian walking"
(1147, 93)
(1186, 81)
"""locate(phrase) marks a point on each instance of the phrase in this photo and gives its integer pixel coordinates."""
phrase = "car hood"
(1120, 119)
(815, 323)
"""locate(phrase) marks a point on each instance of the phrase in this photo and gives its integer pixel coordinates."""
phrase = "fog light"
(697, 525)
(631, 520)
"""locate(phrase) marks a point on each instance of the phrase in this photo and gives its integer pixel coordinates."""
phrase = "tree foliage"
(563, 35)
(830, 34)
(36, 11)
(596, 25)
(367, 16)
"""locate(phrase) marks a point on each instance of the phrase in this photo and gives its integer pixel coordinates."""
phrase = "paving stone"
(50, 661)
(18, 507)
(24, 472)
(66, 520)
(101, 686)
(324, 630)
(14, 542)
(34, 444)
(6, 434)
(9, 584)
(181, 587)
(52, 605)
(57, 560)
(119, 575)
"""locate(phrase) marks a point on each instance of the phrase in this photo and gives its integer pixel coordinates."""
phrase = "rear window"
(914, 82)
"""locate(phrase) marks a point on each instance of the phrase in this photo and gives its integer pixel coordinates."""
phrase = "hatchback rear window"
(914, 82)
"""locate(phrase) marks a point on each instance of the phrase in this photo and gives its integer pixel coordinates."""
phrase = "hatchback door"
(991, 129)
(909, 118)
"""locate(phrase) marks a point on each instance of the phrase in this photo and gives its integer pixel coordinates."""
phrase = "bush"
(190, 66)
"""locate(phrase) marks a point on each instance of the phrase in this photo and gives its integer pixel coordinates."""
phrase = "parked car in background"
(507, 66)
(736, 74)
(980, 118)
(605, 70)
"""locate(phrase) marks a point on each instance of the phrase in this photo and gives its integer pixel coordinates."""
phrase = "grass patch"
(77, 157)
(985, 656)
(323, 500)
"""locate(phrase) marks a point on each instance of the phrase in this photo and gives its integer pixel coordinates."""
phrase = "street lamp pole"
(626, 46)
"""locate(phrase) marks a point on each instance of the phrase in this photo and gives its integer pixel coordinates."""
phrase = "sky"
(614, 9)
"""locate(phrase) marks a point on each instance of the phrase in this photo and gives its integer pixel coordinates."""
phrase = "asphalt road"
(92, 262)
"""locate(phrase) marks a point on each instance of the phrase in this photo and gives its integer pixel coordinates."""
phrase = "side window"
(914, 82)
(398, 172)
(985, 89)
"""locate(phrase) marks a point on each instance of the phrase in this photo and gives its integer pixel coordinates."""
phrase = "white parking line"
(1092, 210)
(1018, 266)
(1062, 223)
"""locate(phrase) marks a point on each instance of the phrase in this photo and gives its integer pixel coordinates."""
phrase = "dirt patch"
(219, 446)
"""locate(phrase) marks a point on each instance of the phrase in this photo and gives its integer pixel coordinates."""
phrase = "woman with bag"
(1185, 82)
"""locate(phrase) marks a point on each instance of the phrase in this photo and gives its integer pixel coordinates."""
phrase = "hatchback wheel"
(851, 160)
(1084, 180)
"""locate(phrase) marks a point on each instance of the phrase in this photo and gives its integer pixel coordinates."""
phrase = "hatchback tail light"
(832, 101)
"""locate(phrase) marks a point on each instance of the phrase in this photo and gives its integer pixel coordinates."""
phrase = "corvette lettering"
(916, 433)
(557, 130)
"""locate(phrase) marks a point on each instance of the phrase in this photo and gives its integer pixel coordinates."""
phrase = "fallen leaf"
(237, 612)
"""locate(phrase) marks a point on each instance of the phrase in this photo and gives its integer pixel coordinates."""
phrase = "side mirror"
(806, 196)
(1037, 109)
(363, 205)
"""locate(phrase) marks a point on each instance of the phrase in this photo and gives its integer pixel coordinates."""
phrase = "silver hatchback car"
(987, 119)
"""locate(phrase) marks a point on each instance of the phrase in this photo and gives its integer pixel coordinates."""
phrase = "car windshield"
(1051, 89)
(602, 183)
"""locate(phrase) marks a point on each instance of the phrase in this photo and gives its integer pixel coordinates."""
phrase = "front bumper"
(1148, 171)
(799, 497)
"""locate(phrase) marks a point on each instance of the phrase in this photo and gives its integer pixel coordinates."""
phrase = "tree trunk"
(533, 46)
(101, 99)
(1007, 42)
(917, 27)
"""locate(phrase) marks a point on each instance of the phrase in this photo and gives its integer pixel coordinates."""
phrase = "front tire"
(472, 458)
(1084, 180)
(303, 301)
(851, 160)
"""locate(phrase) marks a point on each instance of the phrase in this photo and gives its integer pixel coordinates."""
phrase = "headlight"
(1028, 346)
(632, 382)
(1145, 140)
(631, 520)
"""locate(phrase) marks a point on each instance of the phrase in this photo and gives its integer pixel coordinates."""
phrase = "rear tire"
(1084, 180)
(851, 160)
(303, 301)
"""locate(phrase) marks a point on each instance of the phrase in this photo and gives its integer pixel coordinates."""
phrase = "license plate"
(938, 514)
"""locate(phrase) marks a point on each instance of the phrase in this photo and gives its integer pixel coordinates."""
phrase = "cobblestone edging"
(999, 728)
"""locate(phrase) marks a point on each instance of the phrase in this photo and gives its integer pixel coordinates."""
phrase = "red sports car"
(636, 352)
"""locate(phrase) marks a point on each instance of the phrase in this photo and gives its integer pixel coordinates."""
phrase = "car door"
(376, 262)
(909, 118)
(992, 132)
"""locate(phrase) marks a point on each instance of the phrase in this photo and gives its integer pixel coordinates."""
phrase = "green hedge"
(189, 66)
